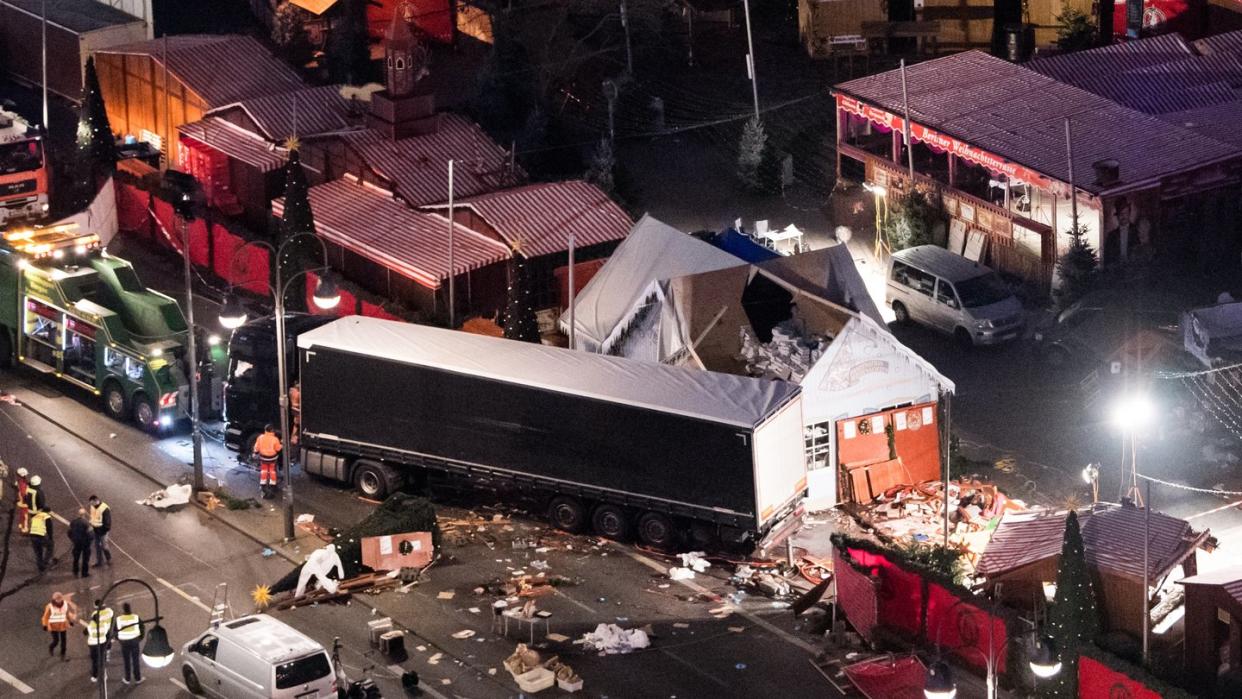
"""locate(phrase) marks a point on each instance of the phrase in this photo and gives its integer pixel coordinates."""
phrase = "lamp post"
(156, 653)
(233, 316)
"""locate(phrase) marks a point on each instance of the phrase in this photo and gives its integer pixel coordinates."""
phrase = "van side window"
(901, 273)
(945, 295)
(920, 281)
(207, 647)
(302, 671)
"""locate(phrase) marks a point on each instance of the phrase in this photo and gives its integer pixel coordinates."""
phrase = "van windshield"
(983, 290)
(303, 670)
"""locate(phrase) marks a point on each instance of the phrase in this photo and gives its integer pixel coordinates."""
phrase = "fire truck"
(71, 310)
(23, 169)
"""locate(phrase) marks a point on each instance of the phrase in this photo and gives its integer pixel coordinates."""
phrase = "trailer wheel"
(373, 480)
(114, 403)
(611, 521)
(656, 530)
(567, 513)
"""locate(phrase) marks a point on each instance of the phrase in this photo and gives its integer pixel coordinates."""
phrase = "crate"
(536, 680)
(377, 628)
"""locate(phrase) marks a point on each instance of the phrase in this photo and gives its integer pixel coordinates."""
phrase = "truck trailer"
(619, 445)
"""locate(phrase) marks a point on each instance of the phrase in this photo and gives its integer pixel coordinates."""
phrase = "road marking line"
(179, 683)
(571, 599)
(694, 668)
(60, 519)
(756, 620)
(182, 593)
(15, 683)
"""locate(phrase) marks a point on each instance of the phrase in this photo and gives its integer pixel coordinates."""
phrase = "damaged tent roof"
(830, 274)
(652, 251)
(735, 400)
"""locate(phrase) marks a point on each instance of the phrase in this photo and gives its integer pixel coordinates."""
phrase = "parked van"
(943, 290)
(257, 657)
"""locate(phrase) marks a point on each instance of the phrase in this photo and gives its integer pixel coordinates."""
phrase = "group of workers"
(100, 628)
(89, 530)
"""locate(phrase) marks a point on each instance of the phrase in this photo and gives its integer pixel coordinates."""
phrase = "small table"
(533, 621)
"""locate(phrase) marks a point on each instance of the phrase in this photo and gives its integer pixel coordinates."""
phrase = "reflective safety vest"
(38, 523)
(105, 619)
(57, 615)
(267, 446)
(97, 513)
(96, 634)
(32, 498)
(128, 627)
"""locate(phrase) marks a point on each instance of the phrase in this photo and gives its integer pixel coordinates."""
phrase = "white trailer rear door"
(780, 461)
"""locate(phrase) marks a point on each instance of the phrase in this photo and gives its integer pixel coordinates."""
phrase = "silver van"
(257, 657)
(943, 290)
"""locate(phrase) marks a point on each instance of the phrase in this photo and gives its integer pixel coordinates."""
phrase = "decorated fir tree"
(1074, 619)
(297, 218)
(1078, 268)
(750, 153)
(95, 138)
(519, 320)
(603, 163)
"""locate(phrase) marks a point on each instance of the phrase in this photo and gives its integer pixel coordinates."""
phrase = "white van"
(945, 291)
(257, 657)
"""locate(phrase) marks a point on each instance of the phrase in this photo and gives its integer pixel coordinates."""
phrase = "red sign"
(940, 141)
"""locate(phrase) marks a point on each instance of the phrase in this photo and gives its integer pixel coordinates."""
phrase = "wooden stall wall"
(137, 103)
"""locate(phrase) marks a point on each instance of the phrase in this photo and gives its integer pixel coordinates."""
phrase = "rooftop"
(1019, 114)
(417, 167)
(310, 111)
(538, 218)
(370, 223)
(78, 16)
(236, 142)
(222, 69)
(271, 639)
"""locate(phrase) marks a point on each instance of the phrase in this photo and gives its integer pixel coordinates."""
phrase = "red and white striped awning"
(235, 142)
(367, 221)
(537, 219)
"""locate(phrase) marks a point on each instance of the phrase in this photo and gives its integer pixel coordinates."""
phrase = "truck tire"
(656, 530)
(6, 348)
(144, 413)
(611, 522)
(374, 480)
(114, 403)
(901, 315)
(567, 513)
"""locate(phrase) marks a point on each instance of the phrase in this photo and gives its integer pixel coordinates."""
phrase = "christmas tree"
(1074, 619)
(349, 50)
(95, 137)
(602, 166)
(751, 151)
(1078, 268)
(519, 320)
(297, 218)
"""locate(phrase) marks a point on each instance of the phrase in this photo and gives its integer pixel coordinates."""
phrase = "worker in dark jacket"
(101, 524)
(81, 536)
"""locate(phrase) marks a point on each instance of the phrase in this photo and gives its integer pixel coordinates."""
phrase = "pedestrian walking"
(58, 616)
(129, 632)
(22, 484)
(41, 539)
(101, 524)
(97, 628)
(267, 448)
(81, 536)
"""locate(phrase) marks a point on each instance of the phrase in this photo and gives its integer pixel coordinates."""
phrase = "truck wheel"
(656, 530)
(567, 513)
(901, 315)
(6, 348)
(114, 403)
(373, 480)
(191, 680)
(611, 521)
(144, 413)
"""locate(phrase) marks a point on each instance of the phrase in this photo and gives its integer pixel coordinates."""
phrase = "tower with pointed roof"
(400, 49)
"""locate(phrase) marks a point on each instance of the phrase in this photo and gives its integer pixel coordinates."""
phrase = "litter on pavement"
(172, 496)
(612, 639)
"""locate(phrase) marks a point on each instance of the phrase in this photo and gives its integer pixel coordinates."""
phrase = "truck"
(23, 169)
(618, 445)
(70, 310)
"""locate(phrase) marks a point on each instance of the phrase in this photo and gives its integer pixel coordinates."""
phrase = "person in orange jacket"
(267, 448)
(58, 616)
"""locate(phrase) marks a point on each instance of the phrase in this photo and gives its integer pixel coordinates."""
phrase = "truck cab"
(252, 387)
(70, 310)
(23, 169)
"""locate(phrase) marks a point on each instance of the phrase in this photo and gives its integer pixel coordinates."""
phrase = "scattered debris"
(737, 629)
(695, 561)
(611, 639)
(464, 634)
(557, 638)
(304, 518)
(447, 594)
(680, 574)
(172, 496)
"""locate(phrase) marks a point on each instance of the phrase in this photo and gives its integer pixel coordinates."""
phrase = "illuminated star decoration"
(292, 143)
(262, 596)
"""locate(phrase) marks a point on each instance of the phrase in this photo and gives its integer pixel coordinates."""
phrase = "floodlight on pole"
(1133, 411)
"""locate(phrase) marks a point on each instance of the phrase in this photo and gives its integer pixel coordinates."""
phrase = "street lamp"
(1044, 661)
(156, 652)
(939, 682)
(233, 315)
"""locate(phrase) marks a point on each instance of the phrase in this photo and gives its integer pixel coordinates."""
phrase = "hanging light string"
(1191, 488)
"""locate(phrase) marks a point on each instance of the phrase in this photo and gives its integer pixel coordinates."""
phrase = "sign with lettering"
(939, 141)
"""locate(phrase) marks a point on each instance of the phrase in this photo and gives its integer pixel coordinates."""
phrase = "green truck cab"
(69, 309)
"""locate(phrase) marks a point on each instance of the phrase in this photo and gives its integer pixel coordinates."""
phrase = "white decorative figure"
(317, 566)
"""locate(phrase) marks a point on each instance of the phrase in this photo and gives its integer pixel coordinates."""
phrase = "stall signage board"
(961, 149)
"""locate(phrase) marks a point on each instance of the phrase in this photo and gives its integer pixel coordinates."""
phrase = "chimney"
(1107, 172)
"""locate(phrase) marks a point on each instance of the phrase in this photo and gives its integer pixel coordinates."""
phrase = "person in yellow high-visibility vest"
(101, 524)
(98, 625)
(129, 633)
(41, 539)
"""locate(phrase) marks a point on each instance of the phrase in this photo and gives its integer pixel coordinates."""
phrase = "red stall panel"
(200, 243)
(1095, 679)
(131, 209)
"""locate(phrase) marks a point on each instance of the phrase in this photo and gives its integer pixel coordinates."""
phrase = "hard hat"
(35, 480)
(23, 472)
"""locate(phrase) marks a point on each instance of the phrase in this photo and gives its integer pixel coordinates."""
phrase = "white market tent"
(652, 251)
(726, 398)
